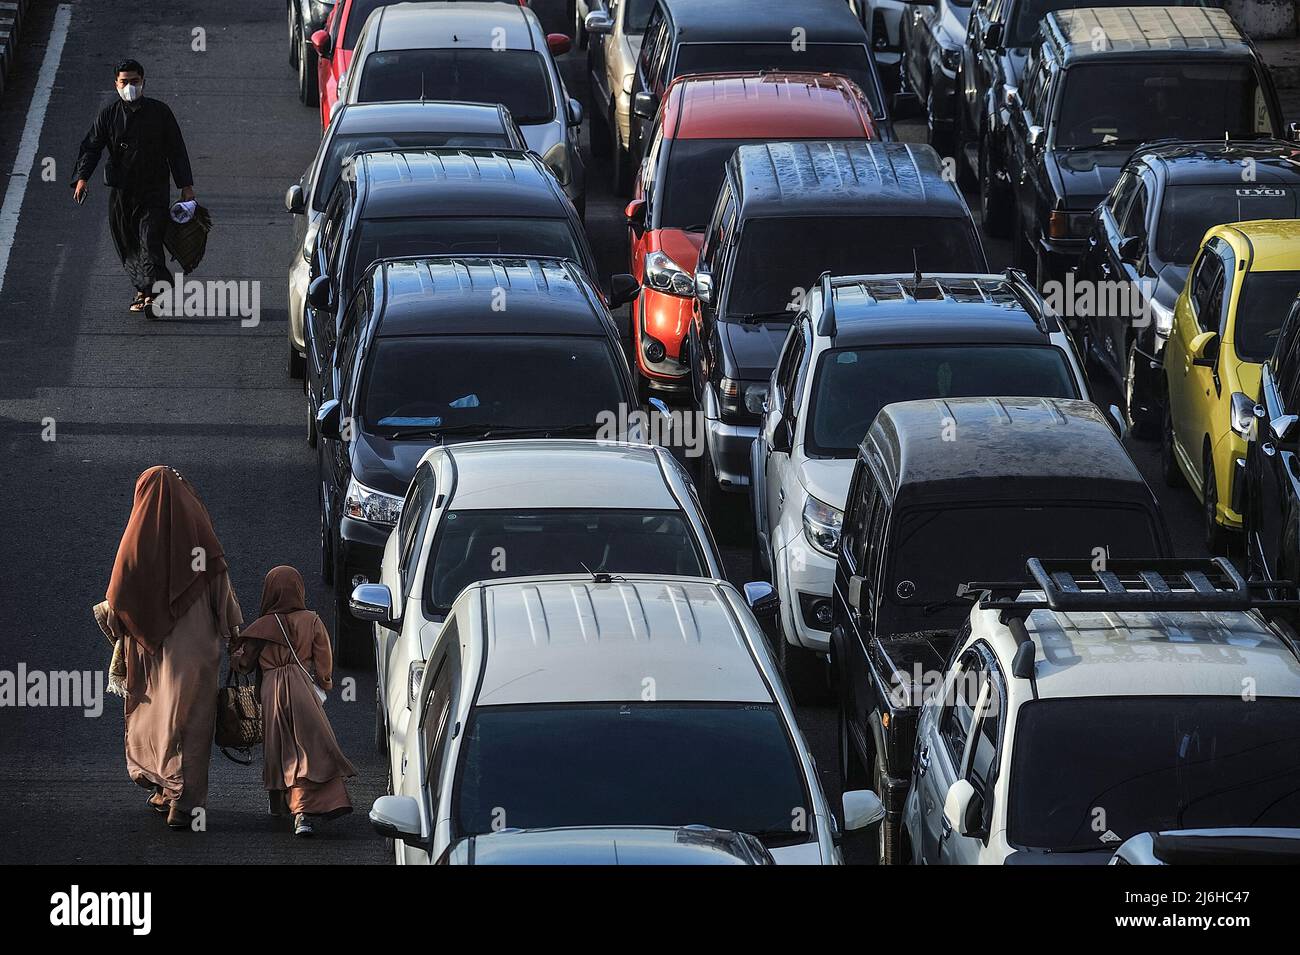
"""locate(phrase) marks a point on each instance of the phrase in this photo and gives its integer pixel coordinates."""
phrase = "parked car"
(1271, 519)
(1164, 72)
(675, 716)
(705, 36)
(1249, 845)
(432, 202)
(305, 18)
(883, 19)
(615, 33)
(703, 119)
(786, 213)
(1226, 324)
(864, 342)
(999, 37)
(438, 350)
(479, 52)
(945, 491)
(1143, 238)
(933, 38)
(486, 510)
(610, 845)
(1086, 706)
(376, 126)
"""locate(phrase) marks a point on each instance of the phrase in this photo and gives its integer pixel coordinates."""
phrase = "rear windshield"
(447, 235)
(1023, 30)
(517, 78)
(1265, 300)
(779, 258)
(1188, 212)
(847, 59)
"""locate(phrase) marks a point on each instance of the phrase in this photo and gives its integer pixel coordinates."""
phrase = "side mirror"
(319, 294)
(1205, 349)
(993, 36)
(329, 420)
(704, 286)
(294, 200)
(1036, 137)
(622, 289)
(962, 808)
(598, 23)
(635, 215)
(396, 817)
(643, 105)
(862, 808)
(323, 43)
(855, 591)
(1130, 248)
(762, 598)
(1282, 425)
(575, 112)
(372, 603)
(1118, 420)
(558, 43)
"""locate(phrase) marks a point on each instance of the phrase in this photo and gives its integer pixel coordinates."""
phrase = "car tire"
(1216, 535)
(293, 35)
(967, 177)
(1143, 421)
(943, 142)
(308, 80)
(708, 489)
(995, 202)
(853, 774)
(1169, 469)
(805, 672)
(296, 364)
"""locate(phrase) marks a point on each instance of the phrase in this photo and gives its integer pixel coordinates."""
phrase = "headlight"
(1243, 414)
(664, 275)
(742, 398)
(1164, 318)
(366, 504)
(557, 160)
(414, 677)
(821, 525)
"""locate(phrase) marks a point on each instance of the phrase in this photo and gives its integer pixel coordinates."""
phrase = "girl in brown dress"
(303, 767)
(169, 607)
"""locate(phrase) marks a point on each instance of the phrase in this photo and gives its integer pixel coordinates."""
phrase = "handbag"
(239, 716)
(320, 694)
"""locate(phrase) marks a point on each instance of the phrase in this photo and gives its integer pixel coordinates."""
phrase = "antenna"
(597, 577)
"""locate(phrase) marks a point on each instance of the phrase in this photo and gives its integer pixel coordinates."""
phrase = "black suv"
(1142, 242)
(786, 213)
(1105, 81)
(444, 349)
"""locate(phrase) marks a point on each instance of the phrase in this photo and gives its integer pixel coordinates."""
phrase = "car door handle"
(923, 761)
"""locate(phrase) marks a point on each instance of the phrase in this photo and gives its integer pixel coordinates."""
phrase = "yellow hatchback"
(1226, 321)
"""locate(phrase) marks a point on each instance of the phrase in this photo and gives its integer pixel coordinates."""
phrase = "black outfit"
(144, 147)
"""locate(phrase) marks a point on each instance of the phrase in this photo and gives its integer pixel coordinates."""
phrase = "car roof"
(473, 26)
(568, 639)
(430, 116)
(769, 105)
(558, 473)
(1217, 162)
(764, 21)
(843, 178)
(1142, 32)
(463, 295)
(611, 845)
(1137, 653)
(896, 309)
(1273, 244)
(457, 182)
(1009, 449)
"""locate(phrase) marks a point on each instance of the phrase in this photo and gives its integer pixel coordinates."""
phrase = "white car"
(1248, 845)
(1089, 706)
(494, 509)
(593, 700)
(888, 338)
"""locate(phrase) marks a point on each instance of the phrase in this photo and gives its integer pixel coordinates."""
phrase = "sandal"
(141, 301)
(155, 806)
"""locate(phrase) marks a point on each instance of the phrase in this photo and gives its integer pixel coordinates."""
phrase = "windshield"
(1188, 212)
(996, 540)
(357, 14)
(517, 78)
(778, 257)
(847, 59)
(481, 545)
(1265, 300)
(637, 15)
(1025, 21)
(343, 146)
(729, 766)
(691, 181)
(1152, 763)
(1131, 103)
(486, 383)
(852, 384)
(483, 235)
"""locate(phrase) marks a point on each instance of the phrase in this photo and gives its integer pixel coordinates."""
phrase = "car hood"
(1087, 175)
(805, 853)
(752, 350)
(827, 479)
(541, 137)
(679, 245)
(609, 846)
(388, 466)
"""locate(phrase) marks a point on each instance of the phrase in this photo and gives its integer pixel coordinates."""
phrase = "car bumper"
(728, 449)
(1230, 478)
(806, 578)
(299, 275)
(362, 551)
(662, 318)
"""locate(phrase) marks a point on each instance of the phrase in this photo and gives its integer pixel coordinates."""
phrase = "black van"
(946, 491)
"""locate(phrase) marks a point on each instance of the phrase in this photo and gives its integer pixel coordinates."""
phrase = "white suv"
(494, 509)
(863, 342)
(1084, 707)
(585, 701)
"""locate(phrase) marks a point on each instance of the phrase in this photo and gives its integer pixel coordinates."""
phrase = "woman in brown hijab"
(169, 607)
(303, 767)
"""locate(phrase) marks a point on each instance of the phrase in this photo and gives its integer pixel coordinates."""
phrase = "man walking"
(144, 148)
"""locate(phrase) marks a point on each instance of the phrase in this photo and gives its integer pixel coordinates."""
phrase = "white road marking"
(31, 140)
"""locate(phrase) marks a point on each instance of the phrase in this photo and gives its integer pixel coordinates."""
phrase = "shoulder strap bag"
(320, 694)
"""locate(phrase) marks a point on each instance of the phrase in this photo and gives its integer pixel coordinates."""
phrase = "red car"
(704, 117)
(335, 43)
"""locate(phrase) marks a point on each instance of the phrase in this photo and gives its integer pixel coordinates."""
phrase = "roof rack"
(826, 324)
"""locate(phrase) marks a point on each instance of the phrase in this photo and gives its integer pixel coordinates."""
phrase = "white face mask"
(129, 93)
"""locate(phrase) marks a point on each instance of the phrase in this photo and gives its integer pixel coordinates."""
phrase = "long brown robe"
(303, 766)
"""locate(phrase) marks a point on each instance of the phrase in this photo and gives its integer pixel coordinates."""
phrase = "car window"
(1264, 301)
(1135, 218)
(1187, 212)
(437, 711)
(1122, 195)
(412, 523)
(1286, 361)
(788, 369)
(1208, 289)
(958, 714)
(518, 78)
(984, 746)
(357, 14)
(653, 36)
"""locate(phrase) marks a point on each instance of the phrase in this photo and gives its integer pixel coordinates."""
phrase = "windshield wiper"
(431, 431)
(1108, 144)
(755, 318)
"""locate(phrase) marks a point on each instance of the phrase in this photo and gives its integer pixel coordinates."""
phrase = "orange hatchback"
(704, 117)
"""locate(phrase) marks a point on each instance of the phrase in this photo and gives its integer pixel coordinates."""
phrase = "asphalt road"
(209, 397)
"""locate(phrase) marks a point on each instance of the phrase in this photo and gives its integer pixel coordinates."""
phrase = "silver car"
(614, 29)
(367, 127)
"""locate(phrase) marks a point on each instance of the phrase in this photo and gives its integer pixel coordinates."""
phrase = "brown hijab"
(154, 577)
(282, 592)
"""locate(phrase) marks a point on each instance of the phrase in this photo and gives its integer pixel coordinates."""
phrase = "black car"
(999, 37)
(933, 38)
(711, 36)
(305, 18)
(945, 491)
(1084, 105)
(444, 349)
(786, 213)
(433, 202)
(1143, 239)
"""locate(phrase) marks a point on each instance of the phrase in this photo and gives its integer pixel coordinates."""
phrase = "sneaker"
(302, 825)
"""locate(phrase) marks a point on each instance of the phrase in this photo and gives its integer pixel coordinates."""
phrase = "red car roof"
(772, 105)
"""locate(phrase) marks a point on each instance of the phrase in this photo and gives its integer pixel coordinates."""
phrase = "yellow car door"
(1190, 362)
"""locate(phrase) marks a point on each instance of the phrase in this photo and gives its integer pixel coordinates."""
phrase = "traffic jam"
(944, 394)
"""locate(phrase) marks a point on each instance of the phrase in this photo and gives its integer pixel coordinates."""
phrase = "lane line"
(31, 140)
